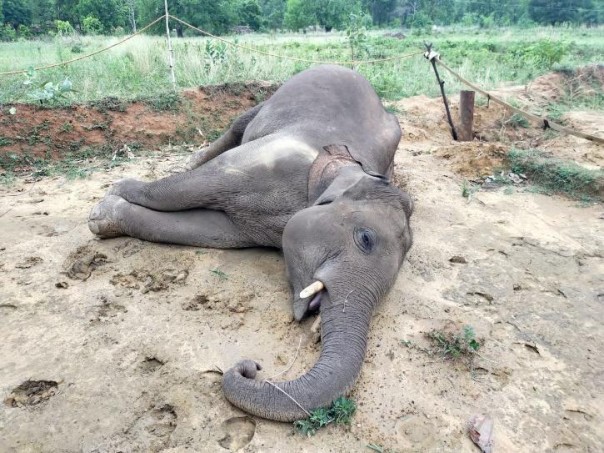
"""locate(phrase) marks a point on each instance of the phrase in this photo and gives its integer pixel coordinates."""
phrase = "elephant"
(307, 171)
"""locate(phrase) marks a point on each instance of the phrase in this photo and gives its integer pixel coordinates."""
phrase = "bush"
(92, 26)
(543, 54)
(8, 33)
(64, 27)
(23, 31)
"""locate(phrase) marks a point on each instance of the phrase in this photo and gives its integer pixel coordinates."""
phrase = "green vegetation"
(340, 412)
(26, 18)
(218, 273)
(553, 175)
(73, 165)
(138, 67)
(455, 345)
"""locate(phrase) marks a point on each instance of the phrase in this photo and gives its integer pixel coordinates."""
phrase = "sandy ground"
(124, 337)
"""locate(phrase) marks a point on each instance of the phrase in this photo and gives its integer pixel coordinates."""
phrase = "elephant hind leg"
(114, 216)
(230, 139)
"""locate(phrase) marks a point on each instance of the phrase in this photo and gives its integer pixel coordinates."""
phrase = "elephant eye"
(365, 239)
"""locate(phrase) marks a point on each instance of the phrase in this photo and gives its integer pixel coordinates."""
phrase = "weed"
(517, 120)
(558, 176)
(163, 102)
(454, 345)
(66, 127)
(218, 273)
(5, 141)
(467, 189)
(340, 412)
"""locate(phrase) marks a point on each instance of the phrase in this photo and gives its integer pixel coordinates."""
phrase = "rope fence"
(545, 123)
(285, 57)
(430, 55)
(83, 57)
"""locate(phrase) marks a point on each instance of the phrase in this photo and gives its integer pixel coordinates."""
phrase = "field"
(115, 345)
(139, 67)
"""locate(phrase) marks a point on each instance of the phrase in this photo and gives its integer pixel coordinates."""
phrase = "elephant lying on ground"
(307, 171)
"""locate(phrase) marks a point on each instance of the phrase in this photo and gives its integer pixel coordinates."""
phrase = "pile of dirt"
(195, 117)
(582, 82)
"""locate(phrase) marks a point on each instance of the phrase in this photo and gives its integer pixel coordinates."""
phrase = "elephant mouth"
(309, 304)
(315, 303)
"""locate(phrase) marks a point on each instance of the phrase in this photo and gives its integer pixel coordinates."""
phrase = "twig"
(291, 364)
(289, 396)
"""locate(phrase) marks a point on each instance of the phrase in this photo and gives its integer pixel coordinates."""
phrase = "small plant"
(163, 102)
(340, 412)
(517, 120)
(47, 91)
(218, 273)
(454, 345)
(467, 189)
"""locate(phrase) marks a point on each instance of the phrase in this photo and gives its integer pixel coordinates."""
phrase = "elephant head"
(343, 254)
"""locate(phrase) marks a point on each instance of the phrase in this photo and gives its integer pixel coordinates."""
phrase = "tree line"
(24, 18)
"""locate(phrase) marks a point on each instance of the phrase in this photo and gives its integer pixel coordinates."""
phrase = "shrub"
(92, 26)
(64, 27)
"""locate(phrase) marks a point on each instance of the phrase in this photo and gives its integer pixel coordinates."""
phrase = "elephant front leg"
(114, 216)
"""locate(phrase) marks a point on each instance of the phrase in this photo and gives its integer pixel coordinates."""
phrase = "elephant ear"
(343, 152)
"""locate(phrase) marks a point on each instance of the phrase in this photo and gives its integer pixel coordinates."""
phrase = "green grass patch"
(558, 176)
(138, 68)
(340, 413)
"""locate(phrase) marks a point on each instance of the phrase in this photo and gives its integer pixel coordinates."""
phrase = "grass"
(340, 413)
(74, 165)
(138, 68)
(558, 176)
(455, 345)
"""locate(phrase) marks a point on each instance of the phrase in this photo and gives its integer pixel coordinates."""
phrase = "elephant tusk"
(311, 289)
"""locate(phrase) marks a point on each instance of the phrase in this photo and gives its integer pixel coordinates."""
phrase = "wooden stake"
(432, 56)
(170, 49)
(466, 112)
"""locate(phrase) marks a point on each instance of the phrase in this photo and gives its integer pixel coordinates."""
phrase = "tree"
(247, 12)
(111, 13)
(66, 10)
(558, 11)
(382, 11)
(273, 12)
(327, 13)
(131, 6)
(17, 12)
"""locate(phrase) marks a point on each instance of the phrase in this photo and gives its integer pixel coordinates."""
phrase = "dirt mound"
(582, 82)
(195, 116)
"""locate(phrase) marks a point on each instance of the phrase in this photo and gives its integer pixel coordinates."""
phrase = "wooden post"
(466, 113)
(170, 49)
(432, 56)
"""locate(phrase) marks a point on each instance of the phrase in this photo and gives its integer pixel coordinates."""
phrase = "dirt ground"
(113, 345)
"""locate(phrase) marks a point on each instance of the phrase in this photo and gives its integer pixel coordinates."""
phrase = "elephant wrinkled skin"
(306, 171)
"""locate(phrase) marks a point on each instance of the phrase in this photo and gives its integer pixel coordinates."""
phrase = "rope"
(86, 56)
(284, 57)
(546, 123)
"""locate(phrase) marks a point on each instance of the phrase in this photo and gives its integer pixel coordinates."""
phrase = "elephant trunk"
(344, 329)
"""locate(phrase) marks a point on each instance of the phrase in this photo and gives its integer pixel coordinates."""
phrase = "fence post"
(466, 112)
(170, 49)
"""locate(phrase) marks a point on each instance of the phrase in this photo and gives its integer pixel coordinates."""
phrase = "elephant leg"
(114, 216)
(230, 139)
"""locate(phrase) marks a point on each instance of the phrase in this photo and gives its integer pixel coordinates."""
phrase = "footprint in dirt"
(80, 264)
(31, 393)
(154, 427)
(236, 433)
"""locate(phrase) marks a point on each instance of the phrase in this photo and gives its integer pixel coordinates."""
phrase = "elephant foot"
(104, 218)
